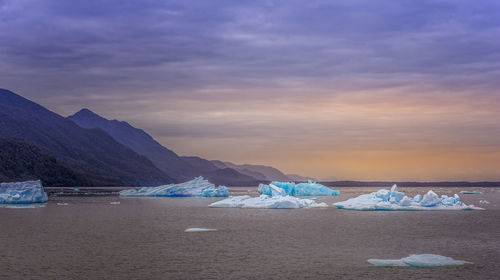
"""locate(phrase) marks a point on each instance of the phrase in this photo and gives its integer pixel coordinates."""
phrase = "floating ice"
(470, 192)
(394, 200)
(197, 187)
(301, 189)
(199, 229)
(484, 202)
(422, 260)
(22, 193)
(62, 203)
(23, 205)
(115, 202)
(266, 201)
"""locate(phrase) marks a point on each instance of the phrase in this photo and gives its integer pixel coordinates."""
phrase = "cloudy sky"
(362, 90)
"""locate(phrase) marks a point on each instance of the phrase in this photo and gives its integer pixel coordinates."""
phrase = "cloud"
(301, 74)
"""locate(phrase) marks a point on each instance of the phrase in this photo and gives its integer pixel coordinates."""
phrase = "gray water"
(144, 238)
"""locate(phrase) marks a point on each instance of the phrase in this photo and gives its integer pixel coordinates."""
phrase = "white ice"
(199, 229)
(198, 187)
(422, 260)
(266, 201)
(301, 189)
(115, 202)
(484, 202)
(470, 192)
(395, 200)
(22, 193)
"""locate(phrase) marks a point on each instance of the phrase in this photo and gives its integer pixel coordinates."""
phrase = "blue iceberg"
(278, 200)
(267, 202)
(422, 260)
(198, 187)
(301, 189)
(22, 193)
(395, 200)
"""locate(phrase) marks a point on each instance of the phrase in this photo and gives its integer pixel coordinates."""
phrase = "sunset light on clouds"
(348, 90)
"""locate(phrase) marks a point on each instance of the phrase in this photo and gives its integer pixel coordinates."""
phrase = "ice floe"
(22, 193)
(62, 203)
(422, 260)
(199, 229)
(114, 202)
(266, 201)
(470, 192)
(198, 187)
(395, 200)
(301, 189)
(484, 202)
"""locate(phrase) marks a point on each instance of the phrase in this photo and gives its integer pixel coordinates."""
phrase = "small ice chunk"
(198, 187)
(114, 202)
(22, 193)
(292, 189)
(484, 202)
(388, 262)
(199, 229)
(422, 260)
(431, 260)
(470, 192)
(62, 203)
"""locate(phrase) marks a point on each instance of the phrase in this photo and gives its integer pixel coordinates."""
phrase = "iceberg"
(470, 192)
(484, 202)
(22, 193)
(199, 229)
(301, 189)
(198, 187)
(422, 260)
(395, 200)
(268, 202)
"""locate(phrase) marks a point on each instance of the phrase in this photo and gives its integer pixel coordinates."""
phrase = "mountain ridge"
(179, 167)
(88, 152)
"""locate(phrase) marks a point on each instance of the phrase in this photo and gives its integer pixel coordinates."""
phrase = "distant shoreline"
(410, 184)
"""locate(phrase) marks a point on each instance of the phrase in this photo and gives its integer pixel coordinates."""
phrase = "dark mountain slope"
(181, 168)
(231, 177)
(139, 141)
(22, 161)
(88, 152)
(269, 173)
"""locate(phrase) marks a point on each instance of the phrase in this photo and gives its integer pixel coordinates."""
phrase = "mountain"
(220, 176)
(298, 178)
(181, 168)
(22, 161)
(139, 141)
(248, 172)
(263, 172)
(90, 153)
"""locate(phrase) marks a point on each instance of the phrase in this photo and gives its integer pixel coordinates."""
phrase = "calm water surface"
(144, 238)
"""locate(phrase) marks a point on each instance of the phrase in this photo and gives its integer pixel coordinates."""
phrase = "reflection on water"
(144, 238)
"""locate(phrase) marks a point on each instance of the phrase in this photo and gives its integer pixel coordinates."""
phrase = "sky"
(346, 90)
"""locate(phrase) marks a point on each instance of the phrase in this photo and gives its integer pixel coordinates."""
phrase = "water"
(144, 238)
